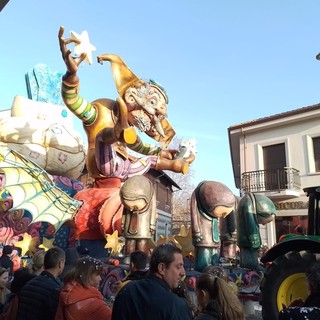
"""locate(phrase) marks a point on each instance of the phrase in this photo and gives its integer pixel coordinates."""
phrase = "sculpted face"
(147, 107)
(134, 205)
(221, 211)
(136, 193)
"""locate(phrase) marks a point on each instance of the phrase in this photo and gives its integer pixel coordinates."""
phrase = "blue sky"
(221, 62)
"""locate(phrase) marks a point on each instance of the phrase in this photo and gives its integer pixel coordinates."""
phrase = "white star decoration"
(83, 45)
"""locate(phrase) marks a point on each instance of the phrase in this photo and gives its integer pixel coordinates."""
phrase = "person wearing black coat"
(138, 265)
(39, 297)
(151, 297)
(210, 312)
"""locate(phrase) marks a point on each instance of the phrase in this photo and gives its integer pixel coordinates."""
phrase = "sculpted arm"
(71, 85)
(148, 149)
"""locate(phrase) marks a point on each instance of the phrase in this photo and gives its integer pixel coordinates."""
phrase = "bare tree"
(181, 198)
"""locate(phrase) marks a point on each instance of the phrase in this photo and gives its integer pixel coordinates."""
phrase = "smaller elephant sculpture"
(139, 213)
(210, 201)
(253, 209)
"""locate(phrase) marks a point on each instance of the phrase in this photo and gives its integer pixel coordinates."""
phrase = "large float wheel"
(285, 281)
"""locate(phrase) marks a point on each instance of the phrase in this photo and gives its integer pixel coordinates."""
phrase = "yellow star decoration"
(171, 239)
(126, 273)
(151, 244)
(83, 45)
(161, 240)
(183, 231)
(239, 280)
(114, 242)
(186, 243)
(28, 244)
(46, 243)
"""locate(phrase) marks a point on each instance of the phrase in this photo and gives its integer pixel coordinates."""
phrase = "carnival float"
(43, 160)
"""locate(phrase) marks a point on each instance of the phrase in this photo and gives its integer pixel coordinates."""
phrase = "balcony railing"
(271, 180)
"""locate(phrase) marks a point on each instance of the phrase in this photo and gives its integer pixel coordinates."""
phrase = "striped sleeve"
(84, 110)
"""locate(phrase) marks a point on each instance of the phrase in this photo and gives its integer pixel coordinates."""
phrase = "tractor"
(287, 261)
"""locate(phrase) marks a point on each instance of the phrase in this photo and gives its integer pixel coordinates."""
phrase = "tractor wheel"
(285, 281)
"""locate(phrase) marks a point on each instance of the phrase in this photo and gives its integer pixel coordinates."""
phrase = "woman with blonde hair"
(80, 298)
(217, 299)
(35, 266)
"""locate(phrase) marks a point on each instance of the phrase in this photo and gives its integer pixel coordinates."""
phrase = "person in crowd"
(4, 283)
(300, 230)
(35, 266)
(80, 298)
(39, 297)
(217, 271)
(152, 297)
(309, 309)
(72, 255)
(182, 291)
(138, 265)
(137, 268)
(217, 299)
(20, 278)
(5, 260)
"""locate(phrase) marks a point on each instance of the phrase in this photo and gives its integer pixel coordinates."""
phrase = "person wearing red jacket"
(80, 298)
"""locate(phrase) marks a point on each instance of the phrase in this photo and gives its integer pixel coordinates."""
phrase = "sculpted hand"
(71, 62)
(197, 239)
(168, 153)
(152, 230)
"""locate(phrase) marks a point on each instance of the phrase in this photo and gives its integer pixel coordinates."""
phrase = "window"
(316, 152)
(274, 159)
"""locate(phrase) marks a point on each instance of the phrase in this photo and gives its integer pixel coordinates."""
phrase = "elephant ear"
(32, 189)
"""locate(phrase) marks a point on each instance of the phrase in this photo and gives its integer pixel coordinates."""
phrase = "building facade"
(164, 187)
(279, 156)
